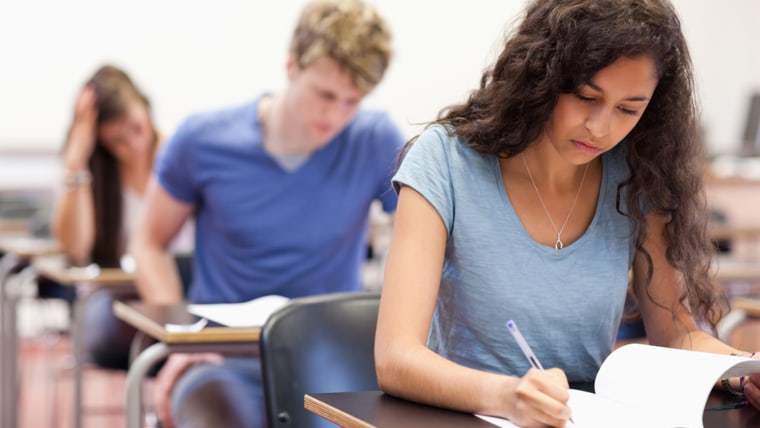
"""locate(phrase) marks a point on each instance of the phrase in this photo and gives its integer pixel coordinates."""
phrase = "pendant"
(559, 245)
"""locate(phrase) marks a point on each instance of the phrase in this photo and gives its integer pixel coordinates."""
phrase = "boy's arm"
(157, 277)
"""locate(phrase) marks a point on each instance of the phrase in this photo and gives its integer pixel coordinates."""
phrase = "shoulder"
(439, 152)
(374, 125)
(221, 118)
(212, 129)
(439, 143)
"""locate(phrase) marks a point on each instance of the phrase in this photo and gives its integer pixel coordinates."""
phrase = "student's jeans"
(230, 395)
(106, 339)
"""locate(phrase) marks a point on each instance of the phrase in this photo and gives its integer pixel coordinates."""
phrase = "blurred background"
(196, 55)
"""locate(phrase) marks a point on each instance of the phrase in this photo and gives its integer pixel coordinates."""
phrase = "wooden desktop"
(153, 320)
(374, 409)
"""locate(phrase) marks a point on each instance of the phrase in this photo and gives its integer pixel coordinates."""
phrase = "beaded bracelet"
(74, 179)
(744, 354)
(727, 386)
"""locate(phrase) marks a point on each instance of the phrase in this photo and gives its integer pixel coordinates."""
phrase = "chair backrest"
(317, 344)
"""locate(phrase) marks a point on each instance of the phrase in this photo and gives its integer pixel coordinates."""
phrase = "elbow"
(140, 245)
(76, 252)
(77, 257)
(76, 249)
(387, 370)
(134, 246)
(382, 370)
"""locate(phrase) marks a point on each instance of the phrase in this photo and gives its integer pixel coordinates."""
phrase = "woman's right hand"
(540, 399)
(83, 131)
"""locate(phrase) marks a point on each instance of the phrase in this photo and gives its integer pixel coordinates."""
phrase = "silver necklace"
(558, 244)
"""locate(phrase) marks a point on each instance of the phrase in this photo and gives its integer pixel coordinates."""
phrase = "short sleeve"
(426, 169)
(174, 166)
(389, 140)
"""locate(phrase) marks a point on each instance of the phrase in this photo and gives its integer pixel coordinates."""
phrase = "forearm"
(157, 278)
(423, 376)
(74, 222)
(704, 342)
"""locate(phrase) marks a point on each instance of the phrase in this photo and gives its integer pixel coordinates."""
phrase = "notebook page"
(252, 313)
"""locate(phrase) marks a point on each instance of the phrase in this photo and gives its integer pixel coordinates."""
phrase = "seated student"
(575, 160)
(107, 158)
(280, 188)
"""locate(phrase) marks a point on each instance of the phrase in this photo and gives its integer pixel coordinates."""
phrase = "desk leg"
(83, 292)
(78, 353)
(8, 343)
(137, 372)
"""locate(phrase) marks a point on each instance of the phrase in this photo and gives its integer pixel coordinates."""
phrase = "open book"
(651, 386)
(252, 313)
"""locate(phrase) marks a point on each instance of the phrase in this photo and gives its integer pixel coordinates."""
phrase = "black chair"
(317, 344)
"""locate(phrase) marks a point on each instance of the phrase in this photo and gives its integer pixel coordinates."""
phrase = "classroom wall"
(192, 55)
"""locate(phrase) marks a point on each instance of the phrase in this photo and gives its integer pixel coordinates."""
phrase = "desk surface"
(14, 226)
(729, 269)
(56, 269)
(26, 247)
(373, 409)
(729, 231)
(152, 319)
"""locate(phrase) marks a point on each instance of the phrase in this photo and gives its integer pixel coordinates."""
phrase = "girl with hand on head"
(107, 161)
(575, 162)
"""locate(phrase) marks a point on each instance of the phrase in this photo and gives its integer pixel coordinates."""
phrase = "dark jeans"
(230, 395)
(106, 339)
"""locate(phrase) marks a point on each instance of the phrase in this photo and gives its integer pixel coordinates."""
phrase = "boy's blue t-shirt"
(263, 230)
(567, 303)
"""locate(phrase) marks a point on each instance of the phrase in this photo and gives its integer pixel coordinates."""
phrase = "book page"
(592, 411)
(650, 386)
(252, 313)
(672, 383)
(499, 422)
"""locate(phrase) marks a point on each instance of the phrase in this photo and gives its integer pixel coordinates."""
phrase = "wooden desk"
(87, 281)
(152, 320)
(739, 200)
(16, 253)
(730, 269)
(373, 409)
(728, 231)
(58, 270)
(12, 226)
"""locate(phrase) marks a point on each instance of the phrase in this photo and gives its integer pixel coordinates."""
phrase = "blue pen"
(532, 359)
(520, 339)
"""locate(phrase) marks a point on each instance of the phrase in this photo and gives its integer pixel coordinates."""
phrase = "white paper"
(252, 313)
(499, 422)
(629, 392)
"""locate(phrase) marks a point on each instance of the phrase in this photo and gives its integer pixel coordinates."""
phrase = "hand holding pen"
(528, 351)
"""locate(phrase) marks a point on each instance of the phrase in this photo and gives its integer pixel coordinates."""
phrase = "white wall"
(192, 55)
(724, 38)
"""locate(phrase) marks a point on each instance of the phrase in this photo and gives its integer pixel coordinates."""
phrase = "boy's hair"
(350, 33)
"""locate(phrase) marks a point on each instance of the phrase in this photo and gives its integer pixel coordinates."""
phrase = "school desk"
(373, 409)
(153, 320)
(17, 251)
(87, 281)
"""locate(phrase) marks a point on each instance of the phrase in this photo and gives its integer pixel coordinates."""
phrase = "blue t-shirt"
(261, 229)
(567, 303)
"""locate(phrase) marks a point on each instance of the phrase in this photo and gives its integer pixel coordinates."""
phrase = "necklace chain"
(558, 244)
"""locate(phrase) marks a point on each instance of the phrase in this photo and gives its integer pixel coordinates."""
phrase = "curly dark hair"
(558, 47)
